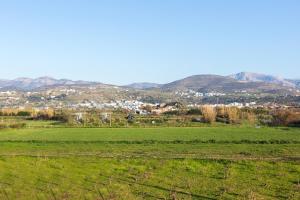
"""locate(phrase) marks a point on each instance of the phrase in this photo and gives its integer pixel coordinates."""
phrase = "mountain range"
(240, 81)
(32, 84)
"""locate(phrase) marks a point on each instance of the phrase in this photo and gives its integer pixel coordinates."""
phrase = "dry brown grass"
(285, 118)
(233, 115)
(209, 113)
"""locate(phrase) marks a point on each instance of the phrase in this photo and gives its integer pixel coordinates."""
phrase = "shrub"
(285, 118)
(209, 114)
(221, 112)
(172, 112)
(14, 125)
(232, 113)
(265, 119)
(3, 126)
(248, 117)
(23, 113)
(295, 123)
(130, 118)
(17, 125)
(194, 111)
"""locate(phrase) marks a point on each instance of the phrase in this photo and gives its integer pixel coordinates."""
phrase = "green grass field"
(150, 163)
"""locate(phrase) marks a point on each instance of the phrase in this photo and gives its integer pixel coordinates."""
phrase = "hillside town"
(59, 99)
(80, 96)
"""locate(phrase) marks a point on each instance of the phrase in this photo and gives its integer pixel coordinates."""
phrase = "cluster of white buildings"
(8, 93)
(125, 104)
(68, 91)
(8, 98)
(192, 93)
(234, 104)
(241, 105)
(132, 105)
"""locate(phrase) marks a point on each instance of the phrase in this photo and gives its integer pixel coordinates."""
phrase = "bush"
(285, 118)
(3, 126)
(249, 117)
(17, 125)
(221, 112)
(172, 112)
(130, 118)
(209, 114)
(265, 119)
(232, 113)
(295, 123)
(23, 113)
(194, 111)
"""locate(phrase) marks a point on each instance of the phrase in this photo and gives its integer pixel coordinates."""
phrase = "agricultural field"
(227, 162)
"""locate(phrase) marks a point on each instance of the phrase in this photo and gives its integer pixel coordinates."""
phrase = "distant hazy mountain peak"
(257, 77)
(23, 79)
(143, 85)
(24, 83)
(46, 78)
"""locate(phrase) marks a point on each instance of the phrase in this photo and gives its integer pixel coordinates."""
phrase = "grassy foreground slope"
(157, 163)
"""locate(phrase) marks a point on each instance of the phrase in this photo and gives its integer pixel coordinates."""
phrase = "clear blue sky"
(123, 41)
